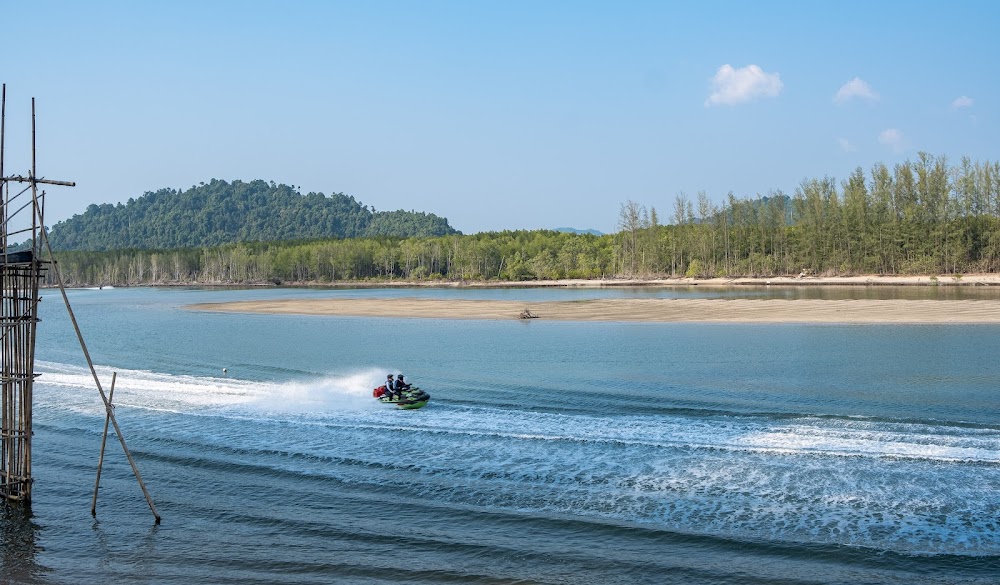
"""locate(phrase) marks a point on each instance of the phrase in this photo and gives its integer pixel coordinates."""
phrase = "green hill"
(219, 212)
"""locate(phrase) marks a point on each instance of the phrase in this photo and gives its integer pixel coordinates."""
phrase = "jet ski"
(411, 399)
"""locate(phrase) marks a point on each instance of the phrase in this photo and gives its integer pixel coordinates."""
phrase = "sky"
(495, 115)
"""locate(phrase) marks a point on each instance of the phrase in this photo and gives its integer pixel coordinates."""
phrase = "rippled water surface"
(549, 453)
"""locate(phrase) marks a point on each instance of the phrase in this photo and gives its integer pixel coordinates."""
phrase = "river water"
(551, 452)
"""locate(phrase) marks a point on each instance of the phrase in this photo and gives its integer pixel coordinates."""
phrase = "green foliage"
(920, 217)
(917, 218)
(521, 255)
(219, 213)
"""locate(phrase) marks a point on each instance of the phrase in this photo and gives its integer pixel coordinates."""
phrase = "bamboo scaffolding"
(19, 317)
(20, 274)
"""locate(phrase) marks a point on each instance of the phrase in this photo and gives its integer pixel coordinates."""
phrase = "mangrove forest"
(918, 217)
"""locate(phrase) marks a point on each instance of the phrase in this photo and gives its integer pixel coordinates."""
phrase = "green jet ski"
(411, 399)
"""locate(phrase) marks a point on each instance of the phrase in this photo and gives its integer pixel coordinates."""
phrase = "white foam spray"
(72, 387)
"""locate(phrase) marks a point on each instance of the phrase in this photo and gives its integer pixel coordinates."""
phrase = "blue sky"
(496, 115)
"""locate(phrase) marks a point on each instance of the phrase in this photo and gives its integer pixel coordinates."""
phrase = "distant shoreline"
(864, 280)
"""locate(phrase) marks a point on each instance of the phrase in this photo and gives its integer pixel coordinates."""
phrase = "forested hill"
(219, 212)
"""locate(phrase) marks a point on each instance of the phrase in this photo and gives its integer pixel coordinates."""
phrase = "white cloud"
(846, 145)
(963, 102)
(732, 86)
(892, 138)
(855, 88)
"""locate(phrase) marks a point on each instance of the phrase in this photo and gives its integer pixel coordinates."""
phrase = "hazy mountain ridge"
(570, 230)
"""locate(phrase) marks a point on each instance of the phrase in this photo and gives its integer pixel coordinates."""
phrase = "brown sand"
(661, 310)
(964, 280)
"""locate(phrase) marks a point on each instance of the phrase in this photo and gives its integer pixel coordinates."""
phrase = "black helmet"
(389, 377)
(400, 376)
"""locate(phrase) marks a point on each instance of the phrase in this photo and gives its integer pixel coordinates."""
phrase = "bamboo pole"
(6, 453)
(22, 382)
(104, 442)
(33, 276)
(5, 426)
(41, 181)
(34, 187)
(9, 395)
(97, 380)
(3, 135)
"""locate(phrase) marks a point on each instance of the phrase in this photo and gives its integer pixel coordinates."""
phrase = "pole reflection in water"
(18, 536)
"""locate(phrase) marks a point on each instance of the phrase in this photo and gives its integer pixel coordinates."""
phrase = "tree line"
(510, 255)
(919, 217)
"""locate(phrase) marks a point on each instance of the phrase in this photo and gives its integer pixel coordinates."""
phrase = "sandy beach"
(631, 310)
(809, 281)
(660, 310)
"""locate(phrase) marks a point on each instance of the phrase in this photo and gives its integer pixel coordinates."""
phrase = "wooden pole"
(104, 442)
(93, 372)
(3, 133)
(34, 187)
(28, 345)
(5, 452)
(43, 181)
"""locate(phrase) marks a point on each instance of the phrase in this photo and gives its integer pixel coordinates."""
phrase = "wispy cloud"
(846, 145)
(732, 86)
(893, 138)
(963, 102)
(855, 88)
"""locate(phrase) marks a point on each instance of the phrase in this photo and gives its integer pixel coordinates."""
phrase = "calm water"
(550, 452)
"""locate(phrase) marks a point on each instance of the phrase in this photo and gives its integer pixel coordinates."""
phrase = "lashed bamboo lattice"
(20, 273)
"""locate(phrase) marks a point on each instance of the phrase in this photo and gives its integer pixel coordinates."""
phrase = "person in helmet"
(390, 386)
(401, 385)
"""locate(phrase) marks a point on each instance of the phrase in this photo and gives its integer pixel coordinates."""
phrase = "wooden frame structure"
(18, 316)
(20, 274)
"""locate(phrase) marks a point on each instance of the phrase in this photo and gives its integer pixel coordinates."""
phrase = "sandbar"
(955, 280)
(711, 310)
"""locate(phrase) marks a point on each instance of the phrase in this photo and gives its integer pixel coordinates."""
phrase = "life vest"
(378, 392)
